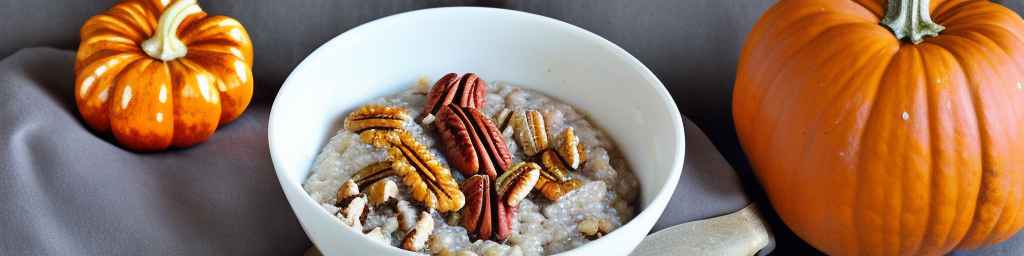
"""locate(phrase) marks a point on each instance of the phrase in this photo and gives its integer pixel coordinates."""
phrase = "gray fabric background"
(66, 191)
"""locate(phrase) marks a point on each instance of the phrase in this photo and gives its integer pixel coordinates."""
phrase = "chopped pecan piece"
(355, 213)
(347, 191)
(471, 142)
(592, 228)
(382, 191)
(485, 215)
(553, 189)
(516, 183)
(373, 173)
(417, 238)
(530, 131)
(376, 117)
(465, 91)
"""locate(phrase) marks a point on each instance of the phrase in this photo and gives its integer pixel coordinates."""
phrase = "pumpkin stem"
(909, 19)
(164, 44)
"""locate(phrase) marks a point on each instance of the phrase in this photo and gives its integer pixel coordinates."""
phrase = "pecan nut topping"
(430, 183)
(471, 142)
(503, 119)
(347, 191)
(517, 182)
(372, 173)
(555, 180)
(530, 131)
(376, 117)
(592, 228)
(465, 91)
(382, 191)
(553, 189)
(416, 240)
(571, 150)
(554, 168)
(485, 215)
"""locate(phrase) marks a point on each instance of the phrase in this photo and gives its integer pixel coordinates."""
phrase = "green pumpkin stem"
(910, 20)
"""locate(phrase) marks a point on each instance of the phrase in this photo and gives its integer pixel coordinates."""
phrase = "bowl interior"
(385, 56)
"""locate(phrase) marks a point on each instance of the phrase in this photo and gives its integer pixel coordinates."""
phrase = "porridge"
(463, 168)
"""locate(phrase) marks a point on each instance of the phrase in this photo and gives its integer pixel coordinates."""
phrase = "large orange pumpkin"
(869, 145)
(157, 74)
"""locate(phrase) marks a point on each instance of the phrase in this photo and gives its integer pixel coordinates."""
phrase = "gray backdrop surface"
(691, 45)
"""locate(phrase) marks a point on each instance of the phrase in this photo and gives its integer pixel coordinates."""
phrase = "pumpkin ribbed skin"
(868, 145)
(149, 104)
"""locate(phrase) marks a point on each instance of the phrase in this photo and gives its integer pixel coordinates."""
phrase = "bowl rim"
(661, 197)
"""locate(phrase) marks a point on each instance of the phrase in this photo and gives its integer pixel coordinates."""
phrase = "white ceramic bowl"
(387, 55)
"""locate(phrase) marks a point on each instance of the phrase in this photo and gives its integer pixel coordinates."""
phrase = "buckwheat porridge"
(467, 168)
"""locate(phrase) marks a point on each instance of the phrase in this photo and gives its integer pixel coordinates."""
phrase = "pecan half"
(376, 117)
(571, 150)
(430, 183)
(530, 131)
(372, 173)
(471, 142)
(554, 167)
(553, 189)
(485, 215)
(503, 119)
(417, 238)
(516, 183)
(465, 91)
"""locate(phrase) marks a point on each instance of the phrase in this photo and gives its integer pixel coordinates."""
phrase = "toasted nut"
(516, 183)
(377, 235)
(554, 190)
(376, 117)
(431, 184)
(554, 168)
(379, 138)
(531, 131)
(382, 191)
(502, 119)
(417, 239)
(353, 213)
(347, 191)
(485, 215)
(604, 226)
(471, 142)
(373, 173)
(592, 228)
(569, 150)
(467, 91)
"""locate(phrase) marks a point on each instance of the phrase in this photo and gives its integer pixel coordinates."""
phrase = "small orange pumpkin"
(869, 145)
(158, 75)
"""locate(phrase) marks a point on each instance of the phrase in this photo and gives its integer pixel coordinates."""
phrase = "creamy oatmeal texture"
(608, 191)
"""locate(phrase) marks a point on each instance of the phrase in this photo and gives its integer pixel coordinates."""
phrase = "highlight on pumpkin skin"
(198, 77)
